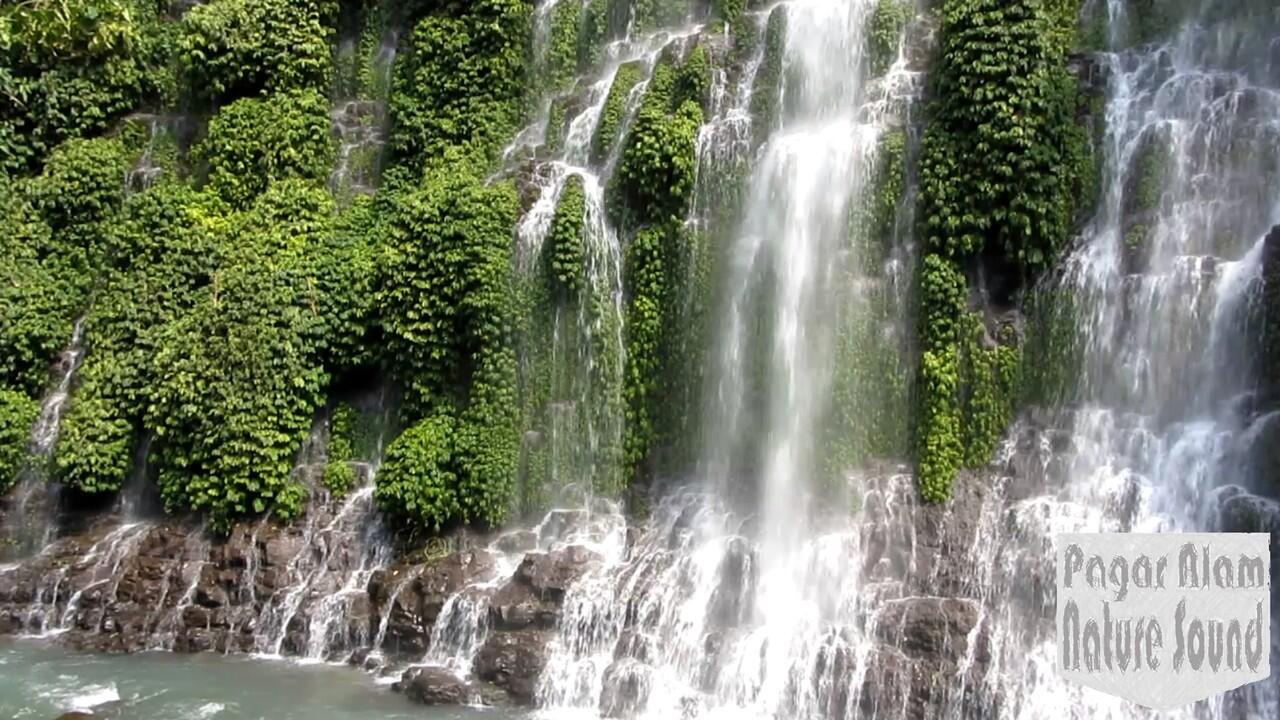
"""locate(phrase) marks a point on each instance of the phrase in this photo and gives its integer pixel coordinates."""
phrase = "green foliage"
(653, 14)
(40, 291)
(730, 11)
(338, 478)
(1004, 168)
(563, 250)
(938, 430)
(615, 105)
(592, 34)
(1051, 352)
(988, 381)
(342, 434)
(648, 275)
(17, 416)
(70, 68)
(339, 475)
(235, 48)
(693, 78)
(255, 141)
(82, 186)
(968, 382)
(445, 299)
(165, 245)
(238, 376)
(660, 159)
(346, 276)
(562, 53)
(1151, 166)
(440, 296)
(767, 90)
(652, 191)
(557, 119)
(873, 221)
(887, 21)
(417, 484)
(461, 84)
(95, 448)
(1001, 166)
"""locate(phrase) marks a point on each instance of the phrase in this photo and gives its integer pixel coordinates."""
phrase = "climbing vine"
(1004, 166)
(230, 49)
(253, 141)
(611, 115)
(17, 415)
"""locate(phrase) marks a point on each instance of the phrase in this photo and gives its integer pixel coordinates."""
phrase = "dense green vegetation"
(231, 298)
(1004, 166)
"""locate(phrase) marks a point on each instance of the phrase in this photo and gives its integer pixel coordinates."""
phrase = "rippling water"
(40, 680)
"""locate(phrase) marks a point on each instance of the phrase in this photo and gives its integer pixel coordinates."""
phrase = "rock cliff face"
(478, 624)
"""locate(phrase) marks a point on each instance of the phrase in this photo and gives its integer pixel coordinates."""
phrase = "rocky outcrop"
(298, 590)
(438, 686)
(514, 661)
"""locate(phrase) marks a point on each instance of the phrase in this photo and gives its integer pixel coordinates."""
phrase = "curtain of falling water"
(1165, 287)
(693, 617)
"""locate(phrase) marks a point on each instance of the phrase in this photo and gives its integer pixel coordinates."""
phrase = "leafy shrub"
(39, 293)
(647, 284)
(1004, 165)
(236, 48)
(660, 159)
(338, 477)
(562, 53)
(1001, 160)
(461, 84)
(255, 141)
(615, 105)
(238, 376)
(417, 484)
(887, 20)
(70, 68)
(563, 251)
(82, 186)
(17, 416)
(767, 90)
(438, 298)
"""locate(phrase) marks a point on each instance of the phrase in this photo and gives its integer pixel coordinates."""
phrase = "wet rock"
(551, 574)
(280, 549)
(412, 597)
(626, 688)
(76, 715)
(514, 661)
(1240, 511)
(731, 601)
(928, 627)
(438, 686)
(517, 607)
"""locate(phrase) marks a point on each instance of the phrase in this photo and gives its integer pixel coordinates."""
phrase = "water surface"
(42, 680)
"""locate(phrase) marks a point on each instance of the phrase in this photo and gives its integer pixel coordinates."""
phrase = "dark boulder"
(514, 661)
(551, 574)
(438, 686)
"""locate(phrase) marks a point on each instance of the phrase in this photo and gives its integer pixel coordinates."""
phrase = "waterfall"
(1158, 436)
(365, 57)
(714, 608)
(572, 353)
(33, 519)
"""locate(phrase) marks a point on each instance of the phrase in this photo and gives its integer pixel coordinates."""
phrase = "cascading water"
(572, 354)
(33, 519)
(1163, 429)
(710, 611)
(360, 116)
